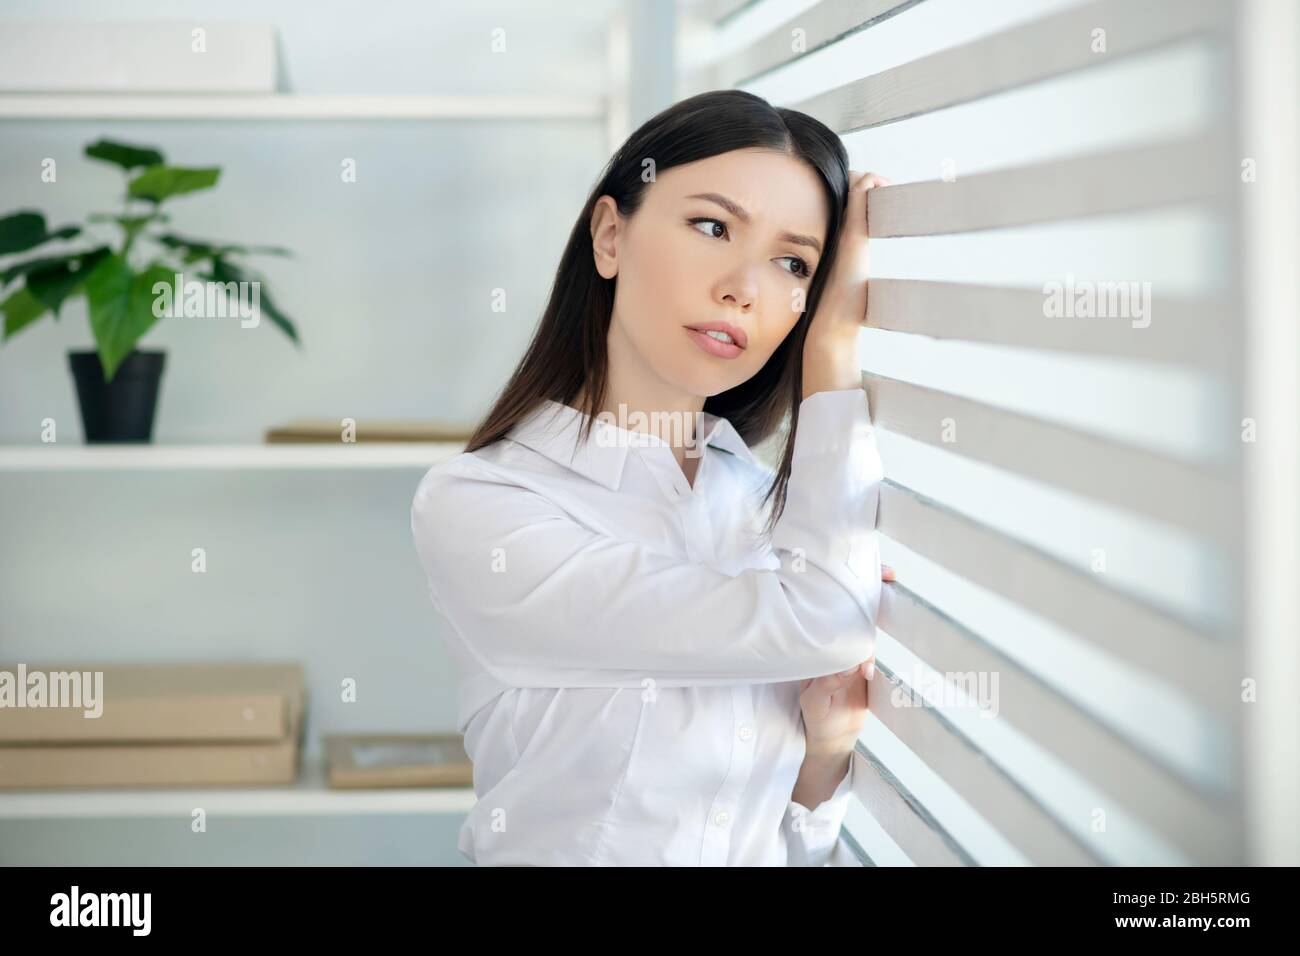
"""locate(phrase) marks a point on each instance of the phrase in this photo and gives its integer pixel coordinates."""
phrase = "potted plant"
(127, 287)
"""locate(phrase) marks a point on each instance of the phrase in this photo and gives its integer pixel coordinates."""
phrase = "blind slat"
(1181, 494)
(811, 30)
(1026, 823)
(904, 818)
(1120, 624)
(1162, 796)
(1187, 332)
(1046, 48)
(1097, 184)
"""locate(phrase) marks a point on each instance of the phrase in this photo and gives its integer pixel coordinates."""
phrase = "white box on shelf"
(118, 56)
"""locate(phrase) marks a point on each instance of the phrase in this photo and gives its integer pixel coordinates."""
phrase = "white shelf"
(278, 106)
(149, 457)
(308, 797)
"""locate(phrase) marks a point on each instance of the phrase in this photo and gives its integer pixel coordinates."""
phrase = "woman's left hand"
(835, 706)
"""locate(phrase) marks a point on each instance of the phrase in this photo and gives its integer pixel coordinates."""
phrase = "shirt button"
(746, 732)
(722, 818)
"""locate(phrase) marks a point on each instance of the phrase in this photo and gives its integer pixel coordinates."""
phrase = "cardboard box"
(168, 725)
(44, 767)
(157, 703)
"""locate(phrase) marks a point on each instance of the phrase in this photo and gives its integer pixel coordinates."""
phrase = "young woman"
(663, 644)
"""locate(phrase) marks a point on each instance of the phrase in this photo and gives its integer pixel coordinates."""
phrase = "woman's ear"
(605, 225)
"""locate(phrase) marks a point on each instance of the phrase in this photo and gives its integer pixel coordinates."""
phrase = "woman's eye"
(716, 228)
(801, 267)
(711, 223)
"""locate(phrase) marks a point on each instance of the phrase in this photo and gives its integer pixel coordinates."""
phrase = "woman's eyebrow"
(739, 212)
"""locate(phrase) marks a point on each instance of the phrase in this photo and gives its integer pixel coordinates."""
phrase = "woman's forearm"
(830, 365)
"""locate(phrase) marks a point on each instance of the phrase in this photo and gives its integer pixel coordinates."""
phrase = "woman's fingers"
(843, 306)
(853, 257)
(872, 180)
(829, 683)
(887, 573)
(855, 216)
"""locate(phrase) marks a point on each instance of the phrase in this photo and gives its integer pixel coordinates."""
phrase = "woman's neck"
(638, 400)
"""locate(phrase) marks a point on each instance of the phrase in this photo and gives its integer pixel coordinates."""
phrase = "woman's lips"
(727, 350)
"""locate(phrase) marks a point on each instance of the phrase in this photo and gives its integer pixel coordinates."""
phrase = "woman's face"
(729, 243)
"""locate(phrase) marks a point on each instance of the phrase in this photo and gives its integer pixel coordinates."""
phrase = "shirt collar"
(553, 429)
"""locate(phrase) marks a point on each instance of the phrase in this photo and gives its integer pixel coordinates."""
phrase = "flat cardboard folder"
(397, 760)
(158, 703)
(367, 430)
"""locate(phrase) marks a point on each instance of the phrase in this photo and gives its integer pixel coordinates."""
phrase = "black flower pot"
(120, 410)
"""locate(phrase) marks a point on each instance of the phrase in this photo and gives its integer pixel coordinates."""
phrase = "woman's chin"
(690, 378)
(708, 375)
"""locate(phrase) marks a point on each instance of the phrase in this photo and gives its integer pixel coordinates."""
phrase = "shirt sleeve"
(811, 835)
(541, 600)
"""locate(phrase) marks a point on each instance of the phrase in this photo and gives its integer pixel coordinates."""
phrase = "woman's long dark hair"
(568, 350)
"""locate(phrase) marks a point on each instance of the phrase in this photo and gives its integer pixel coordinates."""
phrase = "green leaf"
(45, 262)
(196, 249)
(121, 308)
(22, 268)
(26, 230)
(52, 284)
(160, 182)
(20, 309)
(124, 154)
(275, 315)
(224, 271)
(21, 231)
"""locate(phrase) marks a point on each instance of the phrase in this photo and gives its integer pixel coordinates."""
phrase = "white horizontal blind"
(1062, 654)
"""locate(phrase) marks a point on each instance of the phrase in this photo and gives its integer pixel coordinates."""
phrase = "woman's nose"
(740, 288)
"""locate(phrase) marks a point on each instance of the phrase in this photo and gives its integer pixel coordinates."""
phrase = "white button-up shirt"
(630, 646)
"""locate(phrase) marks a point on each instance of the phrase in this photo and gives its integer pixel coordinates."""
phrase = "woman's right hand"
(831, 348)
